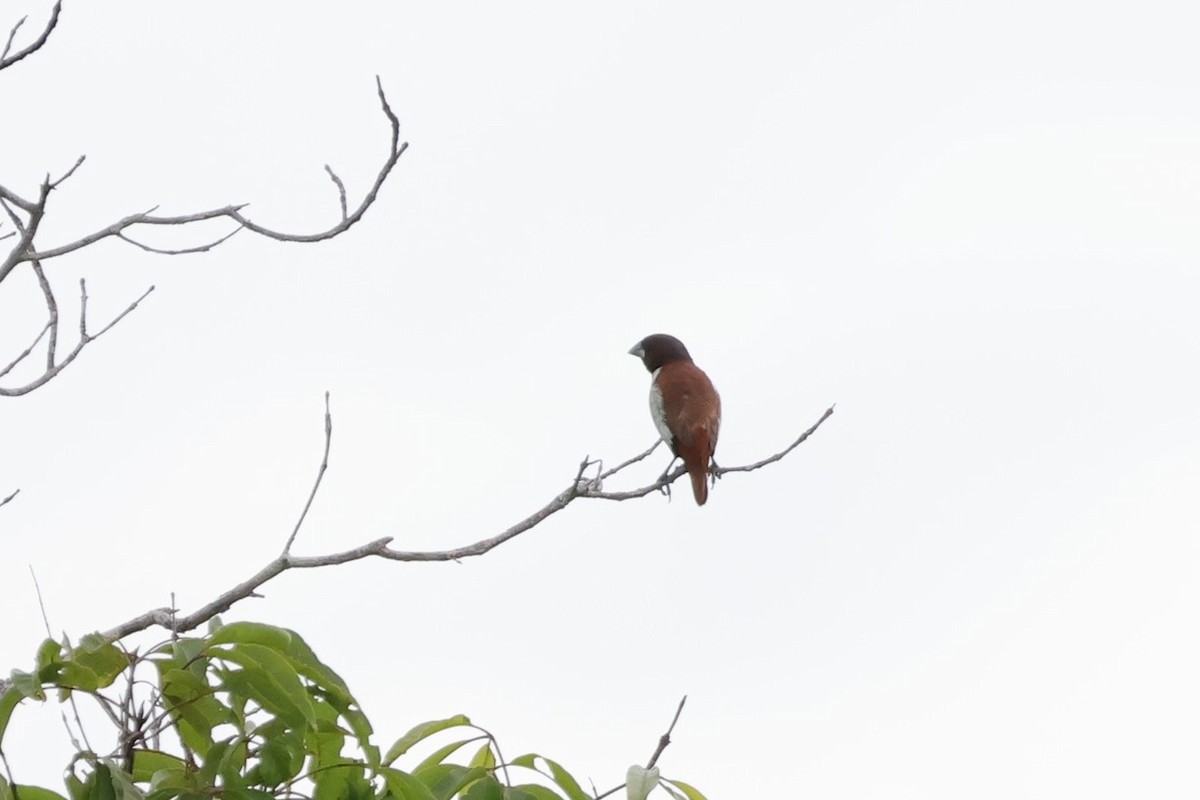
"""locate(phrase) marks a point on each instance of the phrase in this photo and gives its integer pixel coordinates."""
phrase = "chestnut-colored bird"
(684, 405)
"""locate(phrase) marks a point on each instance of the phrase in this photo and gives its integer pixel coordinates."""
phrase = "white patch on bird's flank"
(657, 412)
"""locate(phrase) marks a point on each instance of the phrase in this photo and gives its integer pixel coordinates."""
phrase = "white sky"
(973, 228)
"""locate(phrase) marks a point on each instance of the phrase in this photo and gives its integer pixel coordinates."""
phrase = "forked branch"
(580, 487)
(8, 58)
(25, 216)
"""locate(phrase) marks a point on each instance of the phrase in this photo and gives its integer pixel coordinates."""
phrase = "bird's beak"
(637, 350)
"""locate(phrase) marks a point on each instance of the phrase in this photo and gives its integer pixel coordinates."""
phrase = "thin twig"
(203, 248)
(341, 187)
(84, 341)
(12, 35)
(25, 353)
(320, 474)
(51, 308)
(78, 163)
(234, 212)
(8, 499)
(41, 602)
(772, 459)
(634, 460)
(7, 61)
(663, 741)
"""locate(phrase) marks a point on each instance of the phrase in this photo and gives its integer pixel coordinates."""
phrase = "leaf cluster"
(249, 712)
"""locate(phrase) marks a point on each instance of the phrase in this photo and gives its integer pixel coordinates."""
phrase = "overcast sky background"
(972, 227)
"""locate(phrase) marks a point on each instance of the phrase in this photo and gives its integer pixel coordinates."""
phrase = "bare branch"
(8, 499)
(341, 187)
(36, 211)
(78, 162)
(41, 602)
(203, 248)
(25, 353)
(634, 460)
(26, 230)
(12, 35)
(772, 459)
(84, 340)
(7, 61)
(665, 739)
(234, 212)
(128, 309)
(52, 308)
(320, 474)
(20, 202)
(381, 548)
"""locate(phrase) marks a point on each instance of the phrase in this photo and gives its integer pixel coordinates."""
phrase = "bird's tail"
(697, 467)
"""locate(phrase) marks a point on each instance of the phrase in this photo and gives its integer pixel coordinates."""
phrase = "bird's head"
(659, 349)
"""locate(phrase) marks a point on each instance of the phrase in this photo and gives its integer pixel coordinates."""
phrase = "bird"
(685, 407)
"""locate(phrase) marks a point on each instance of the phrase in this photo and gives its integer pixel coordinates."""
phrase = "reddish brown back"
(693, 415)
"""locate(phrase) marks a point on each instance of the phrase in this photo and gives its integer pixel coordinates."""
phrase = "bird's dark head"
(659, 349)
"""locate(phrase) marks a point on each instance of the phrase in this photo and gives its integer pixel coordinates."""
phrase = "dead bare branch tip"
(7, 60)
(78, 162)
(9, 499)
(287, 547)
(341, 187)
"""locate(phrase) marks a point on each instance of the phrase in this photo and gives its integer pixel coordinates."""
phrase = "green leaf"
(439, 755)
(195, 710)
(233, 761)
(27, 685)
(148, 762)
(485, 789)
(420, 732)
(124, 785)
(530, 791)
(343, 782)
(691, 792)
(8, 704)
(346, 706)
(100, 784)
(173, 782)
(48, 654)
(75, 787)
(27, 792)
(288, 644)
(484, 757)
(280, 759)
(446, 780)
(402, 786)
(187, 652)
(104, 659)
(268, 679)
(327, 684)
(556, 773)
(69, 675)
(210, 765)
(325, 740)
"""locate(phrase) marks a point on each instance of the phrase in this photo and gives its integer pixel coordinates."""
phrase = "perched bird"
(684, 405)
